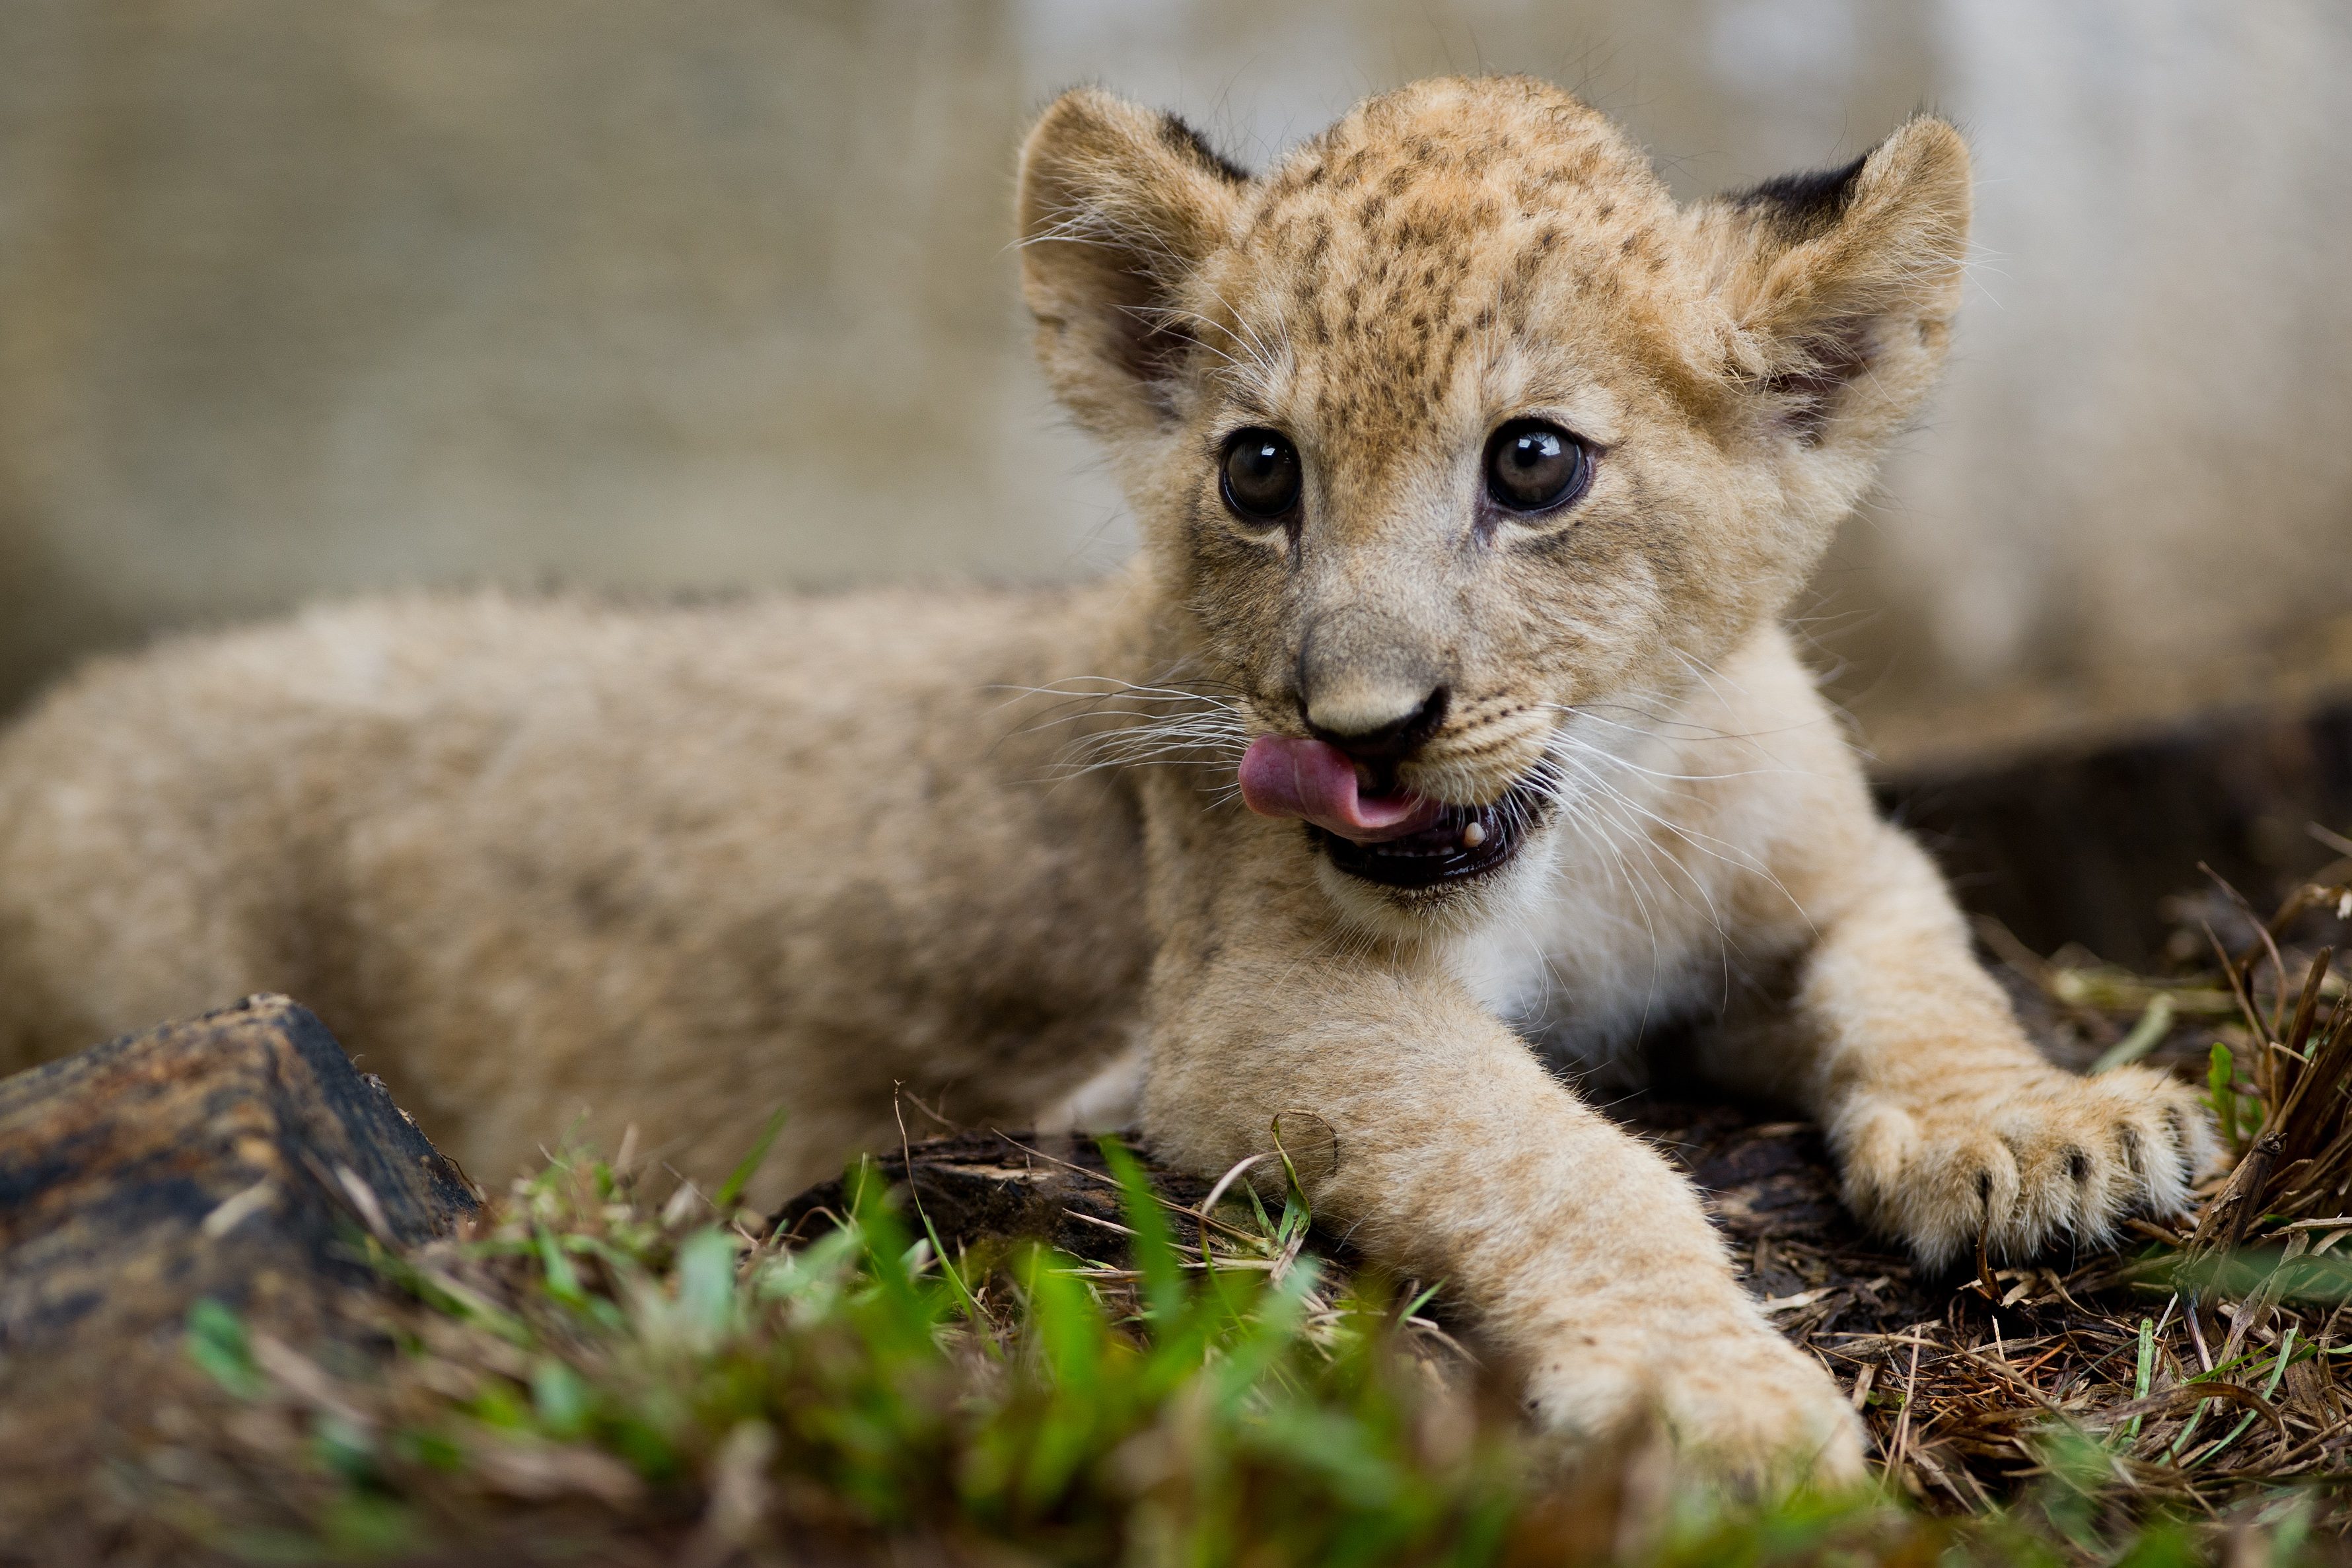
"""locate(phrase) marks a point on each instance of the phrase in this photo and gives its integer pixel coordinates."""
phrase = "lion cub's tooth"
(1474, 836)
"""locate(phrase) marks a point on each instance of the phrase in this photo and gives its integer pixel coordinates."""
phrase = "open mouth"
(1463, 841)
(1373, 830)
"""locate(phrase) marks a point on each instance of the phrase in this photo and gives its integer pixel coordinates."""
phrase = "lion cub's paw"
(2027, 1161)
(1740, 1406)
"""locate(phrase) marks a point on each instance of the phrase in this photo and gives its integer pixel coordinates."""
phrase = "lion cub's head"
(1451, 431)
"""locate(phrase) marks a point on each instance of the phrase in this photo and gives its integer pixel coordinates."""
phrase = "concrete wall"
(302, 299)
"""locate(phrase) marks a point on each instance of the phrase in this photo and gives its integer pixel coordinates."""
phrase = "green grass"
(592, 1375)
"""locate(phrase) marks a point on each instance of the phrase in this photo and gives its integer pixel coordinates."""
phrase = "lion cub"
(1446, 715)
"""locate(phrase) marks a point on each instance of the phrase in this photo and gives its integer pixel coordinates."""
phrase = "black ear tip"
(1807, 204)
(1181, 138)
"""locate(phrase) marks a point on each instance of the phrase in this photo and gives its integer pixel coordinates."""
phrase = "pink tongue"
(1283, 777)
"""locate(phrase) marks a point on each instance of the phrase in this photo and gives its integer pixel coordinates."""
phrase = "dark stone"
(982, 1187)
(237, 1156)
(116, 1165)
(1771, 1188)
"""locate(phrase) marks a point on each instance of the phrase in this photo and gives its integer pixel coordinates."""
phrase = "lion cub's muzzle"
(1370, 828)
(1460, 843)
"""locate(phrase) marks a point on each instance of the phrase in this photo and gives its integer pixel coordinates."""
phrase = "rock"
(1771, 1188)
(236, 1156)
(221, 1156)
(977, 1188)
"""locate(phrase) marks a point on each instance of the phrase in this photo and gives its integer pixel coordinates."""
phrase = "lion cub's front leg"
(1451, 1155)
(1947, 1125)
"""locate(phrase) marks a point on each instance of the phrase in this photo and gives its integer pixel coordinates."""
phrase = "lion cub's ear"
(1842, 284)
(1117, 206)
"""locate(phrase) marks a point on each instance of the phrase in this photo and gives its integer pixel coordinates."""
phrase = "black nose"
(1399, 738)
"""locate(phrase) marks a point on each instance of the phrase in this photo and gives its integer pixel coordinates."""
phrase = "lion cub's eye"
(1261, 475)
(1533, 465)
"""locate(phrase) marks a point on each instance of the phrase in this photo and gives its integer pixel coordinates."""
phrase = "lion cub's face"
(1458, 446)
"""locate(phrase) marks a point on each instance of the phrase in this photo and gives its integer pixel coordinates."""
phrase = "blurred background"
(301, 299)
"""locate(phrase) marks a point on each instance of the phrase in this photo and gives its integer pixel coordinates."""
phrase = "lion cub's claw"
(2032, 1160)
(1740, 1407)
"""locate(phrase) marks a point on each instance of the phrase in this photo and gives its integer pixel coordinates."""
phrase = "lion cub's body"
(534, 861)
(549, 867)
(676, 867)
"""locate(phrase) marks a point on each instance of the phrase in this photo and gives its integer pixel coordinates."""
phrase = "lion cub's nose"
(1375, 722)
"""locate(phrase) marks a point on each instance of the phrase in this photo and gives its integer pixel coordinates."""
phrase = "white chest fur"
(1652, 885)
(1617, 938)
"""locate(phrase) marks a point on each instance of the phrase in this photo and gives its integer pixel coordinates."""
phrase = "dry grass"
(2203, 1365)
(614, 1367)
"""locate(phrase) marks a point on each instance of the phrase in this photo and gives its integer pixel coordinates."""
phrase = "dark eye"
(1261, 475)
(1533, 465)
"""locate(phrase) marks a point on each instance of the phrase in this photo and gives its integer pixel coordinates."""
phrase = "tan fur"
(535, 860)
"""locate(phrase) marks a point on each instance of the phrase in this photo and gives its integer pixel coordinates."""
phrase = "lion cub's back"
(153, 805)
(568, 814)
